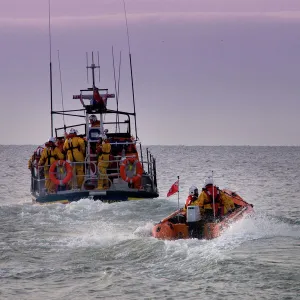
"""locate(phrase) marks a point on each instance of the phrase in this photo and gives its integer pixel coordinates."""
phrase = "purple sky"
(206, 72)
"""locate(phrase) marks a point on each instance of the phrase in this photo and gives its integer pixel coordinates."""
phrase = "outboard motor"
(193, 219)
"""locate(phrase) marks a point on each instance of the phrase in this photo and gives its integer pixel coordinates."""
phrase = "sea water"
(94, 250)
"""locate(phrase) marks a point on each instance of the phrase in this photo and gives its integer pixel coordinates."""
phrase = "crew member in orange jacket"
(94, 121)
(193, 196)
(74, 147)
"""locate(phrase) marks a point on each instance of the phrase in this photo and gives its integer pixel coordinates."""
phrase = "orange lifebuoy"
(139, 170)
(52, 172)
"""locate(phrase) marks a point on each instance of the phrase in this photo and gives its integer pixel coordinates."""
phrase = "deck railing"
(91, 176)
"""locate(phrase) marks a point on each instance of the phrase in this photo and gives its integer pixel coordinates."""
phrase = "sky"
(206, 72)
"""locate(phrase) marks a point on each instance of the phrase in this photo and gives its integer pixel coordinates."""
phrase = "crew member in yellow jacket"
(211, 194)
(103, 164)
(74, 147)
(50, 154)
(227, 202)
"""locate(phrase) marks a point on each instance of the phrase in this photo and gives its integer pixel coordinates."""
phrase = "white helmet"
(73, 131)
(208, 180)
(193, 191)
(51, 140)
(93, 118)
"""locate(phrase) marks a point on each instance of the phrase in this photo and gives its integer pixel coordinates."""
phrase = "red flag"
(173, 189)
(97, 97)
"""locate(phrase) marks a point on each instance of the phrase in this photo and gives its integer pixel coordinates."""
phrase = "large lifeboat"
(189, 224)
(122, 171)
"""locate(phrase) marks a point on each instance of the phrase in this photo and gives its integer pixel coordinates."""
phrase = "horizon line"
(179, 145)
(284, 15)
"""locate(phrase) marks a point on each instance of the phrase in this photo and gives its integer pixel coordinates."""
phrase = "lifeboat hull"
(168, 230)
(104, 196)
(175, 227)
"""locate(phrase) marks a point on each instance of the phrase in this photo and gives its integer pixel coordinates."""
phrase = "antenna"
(93, 75)
(50, 66)
(132, 87)
(116, 91)
(87, 70)
(131, 75)
(126, 26)
(93, 67)
(98, 65)
(61, 90)
(119, 78)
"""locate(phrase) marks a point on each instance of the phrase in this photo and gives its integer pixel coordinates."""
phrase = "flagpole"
(212, 177)
(178, 192)
(178, 198)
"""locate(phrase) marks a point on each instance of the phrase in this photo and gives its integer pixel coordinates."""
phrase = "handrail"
(38, 179)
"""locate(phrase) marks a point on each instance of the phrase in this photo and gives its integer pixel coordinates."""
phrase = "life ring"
(52, 172)
(139, 170)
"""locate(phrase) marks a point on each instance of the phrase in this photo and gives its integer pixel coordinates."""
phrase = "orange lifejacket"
(212, 191)
(190, 199)
(95, 124)
(70, 135)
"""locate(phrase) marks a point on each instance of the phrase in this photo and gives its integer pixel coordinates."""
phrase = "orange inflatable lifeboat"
(190, 224)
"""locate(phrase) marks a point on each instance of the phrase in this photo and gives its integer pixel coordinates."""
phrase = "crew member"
(35, 157)
(103, 164)
(193, 197)
(94, 121)
(50, 154)
(60, 144)
(226, 202)
(37, 172)
(209, 199)
(74, 147)
(211, 194)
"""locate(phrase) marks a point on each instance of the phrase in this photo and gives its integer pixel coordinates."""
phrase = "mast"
(116, 89)
(131, 74)
(61, 90)
(132, 86)
(50, 66)
(93, 67)
(133, 97)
